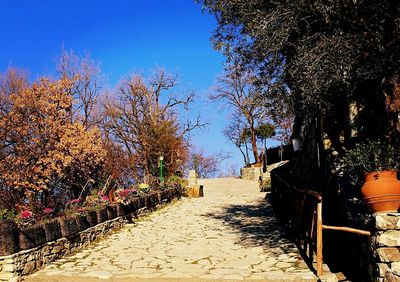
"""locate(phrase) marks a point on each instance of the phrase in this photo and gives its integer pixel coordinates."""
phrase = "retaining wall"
(14, 266)
(385, 244)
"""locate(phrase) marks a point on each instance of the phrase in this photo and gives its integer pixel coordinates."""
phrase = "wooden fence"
(301, 209)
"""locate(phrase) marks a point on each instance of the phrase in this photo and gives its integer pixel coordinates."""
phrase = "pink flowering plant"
(25, 217)
(124, 196)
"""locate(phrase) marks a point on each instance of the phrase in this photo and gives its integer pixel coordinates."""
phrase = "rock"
(8, 268)
(387, 221)
(99, 274)
(328, 277)
(390, 277)
(389, 238)
(395, 267)
(8, 276)
(382, 268)
(29, 268)
(388, 254)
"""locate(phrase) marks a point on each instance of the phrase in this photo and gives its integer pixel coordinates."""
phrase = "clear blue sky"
(124, 36)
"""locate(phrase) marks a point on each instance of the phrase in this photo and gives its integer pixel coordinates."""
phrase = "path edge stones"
(14, 267)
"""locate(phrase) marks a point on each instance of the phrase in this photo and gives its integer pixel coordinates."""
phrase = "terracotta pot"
(68, 226)
(8, 239)
(122, 210)
(381, 191)
(147, 201)
(102, 214)
(52, 230)
(82, 222)
(142, 203)
(134, 205)
(111, 212)
(91, 218)
(31, 236)
(154, 199)
(159, 197)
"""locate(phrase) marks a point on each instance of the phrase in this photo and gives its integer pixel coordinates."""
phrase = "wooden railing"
(302, 210)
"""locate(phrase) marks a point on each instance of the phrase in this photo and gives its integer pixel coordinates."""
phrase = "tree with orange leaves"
(44, 154)
(145, 127)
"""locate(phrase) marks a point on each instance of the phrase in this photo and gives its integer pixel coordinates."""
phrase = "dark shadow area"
(257, 225)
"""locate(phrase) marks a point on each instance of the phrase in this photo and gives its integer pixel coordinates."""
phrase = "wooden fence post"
(319, 239)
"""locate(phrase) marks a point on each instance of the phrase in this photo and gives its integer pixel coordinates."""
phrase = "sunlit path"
(231, 233)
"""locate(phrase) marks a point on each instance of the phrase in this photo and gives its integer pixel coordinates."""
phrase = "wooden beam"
(319, 239)
(347, 229)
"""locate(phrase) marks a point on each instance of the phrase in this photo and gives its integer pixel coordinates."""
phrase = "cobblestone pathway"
(231, 233)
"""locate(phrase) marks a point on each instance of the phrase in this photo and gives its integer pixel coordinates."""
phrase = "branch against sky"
(143, 119)
(87, 88)
(321, 55)
(236, 87)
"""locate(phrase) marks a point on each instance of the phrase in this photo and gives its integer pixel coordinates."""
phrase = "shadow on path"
(256, 224)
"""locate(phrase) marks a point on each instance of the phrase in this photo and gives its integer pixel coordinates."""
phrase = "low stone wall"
(251, 173)
(25, 262)
(386, 247)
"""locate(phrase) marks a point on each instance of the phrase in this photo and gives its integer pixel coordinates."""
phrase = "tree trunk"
(244, 156)
(247, 153)
(254, 144)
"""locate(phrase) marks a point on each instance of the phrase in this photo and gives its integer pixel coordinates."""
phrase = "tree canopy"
(317, 55)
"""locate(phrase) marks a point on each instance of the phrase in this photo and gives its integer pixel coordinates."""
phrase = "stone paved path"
(231, 233)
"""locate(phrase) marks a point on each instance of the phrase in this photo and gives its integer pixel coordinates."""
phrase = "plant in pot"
(377, 162)
(31, 233)
(51, 225)
(8, 227)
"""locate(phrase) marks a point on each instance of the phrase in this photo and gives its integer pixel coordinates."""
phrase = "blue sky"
(125, 36)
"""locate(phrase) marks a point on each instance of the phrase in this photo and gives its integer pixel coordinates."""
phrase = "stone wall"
(25, 262)
(251, 173)
(386, 247)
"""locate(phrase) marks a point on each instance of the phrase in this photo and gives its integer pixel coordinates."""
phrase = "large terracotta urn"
(381, 191)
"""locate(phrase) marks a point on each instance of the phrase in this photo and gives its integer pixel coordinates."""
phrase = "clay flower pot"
(381, 191)
(134, 205)
(8, 238)
(111, 211)
(68, 226)
(159, 197)
(142, 202)
(102, 214)
(91, 217)
(122, 210)
(154, 199)
(147, 201)
(82, 222)
(31, 236)
(52, 229)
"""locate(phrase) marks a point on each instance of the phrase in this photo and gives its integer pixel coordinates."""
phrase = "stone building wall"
(386, 247)
(251, 173)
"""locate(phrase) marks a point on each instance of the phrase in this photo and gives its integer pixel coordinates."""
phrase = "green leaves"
(370, 156)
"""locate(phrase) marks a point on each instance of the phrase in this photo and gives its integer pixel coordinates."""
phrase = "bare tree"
(206, 165)
(146, 127)
(87, 88)
(234, 133)
(236, 88)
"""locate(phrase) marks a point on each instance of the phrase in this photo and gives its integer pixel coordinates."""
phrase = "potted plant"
(51, 225)
(377, 162)
(8, 228)
(30, 233)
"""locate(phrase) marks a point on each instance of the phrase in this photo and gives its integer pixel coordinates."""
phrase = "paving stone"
(98, 274)
(231, 233)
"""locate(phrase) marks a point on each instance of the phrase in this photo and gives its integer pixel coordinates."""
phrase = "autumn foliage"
(44, 155)
(61, 137)
(143, 128)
